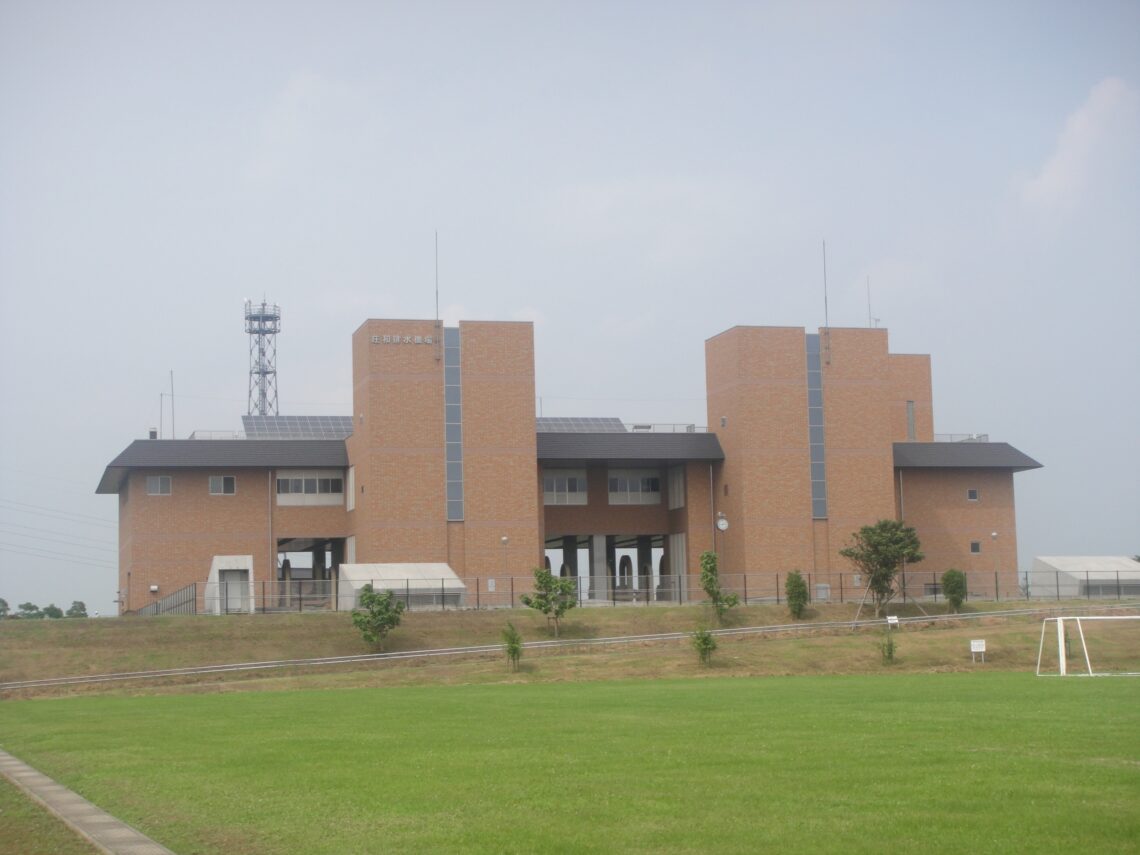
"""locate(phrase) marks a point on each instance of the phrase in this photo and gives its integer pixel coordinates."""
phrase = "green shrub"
(954, 588)
(512, 642)
(796, 590)
(710, 584)
(704, 642)
(379, 613)
(888, 647)
(552, 596)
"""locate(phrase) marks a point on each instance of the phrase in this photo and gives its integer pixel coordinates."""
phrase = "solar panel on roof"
(578, 424)
(297, 427)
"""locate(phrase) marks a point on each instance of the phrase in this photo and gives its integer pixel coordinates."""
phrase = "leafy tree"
(78, 609)
(29, 610)
(53, 611)
(710, 584)
(3, 608)
(552, 596)
(954, 587)
(512, 641)
(704, 642)
(379, 613)
(796, 590)
(879, 551)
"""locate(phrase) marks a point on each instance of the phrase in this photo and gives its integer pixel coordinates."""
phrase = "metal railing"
(961, 437)
(184, 601)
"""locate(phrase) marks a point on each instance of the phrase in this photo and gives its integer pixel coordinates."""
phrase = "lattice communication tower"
(262, 322)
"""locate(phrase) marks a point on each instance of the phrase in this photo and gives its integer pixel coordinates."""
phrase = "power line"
(60, 538)
(86, 519)
(53, 556)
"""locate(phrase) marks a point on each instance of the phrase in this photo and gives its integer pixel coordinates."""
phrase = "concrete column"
(570, 554)
(599, 571)
(644, 569)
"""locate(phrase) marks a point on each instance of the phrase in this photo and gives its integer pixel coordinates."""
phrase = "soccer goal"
(1090, 646)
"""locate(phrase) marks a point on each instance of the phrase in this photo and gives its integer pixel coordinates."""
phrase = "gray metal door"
(234, 585)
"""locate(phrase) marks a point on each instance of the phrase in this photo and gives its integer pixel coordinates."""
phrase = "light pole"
(993, 537)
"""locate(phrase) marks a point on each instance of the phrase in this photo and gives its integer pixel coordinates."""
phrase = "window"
(223, 485)
(351, 495)
(310, 487)
(158, 485)
(634, 487)
(910, 431)
(564, 487)
(931, 589)
(975, 547)
(972, 495)
(305, 486)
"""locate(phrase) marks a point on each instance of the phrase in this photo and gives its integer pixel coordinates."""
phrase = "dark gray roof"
(643, 448)
(962, 455)
(223, 454)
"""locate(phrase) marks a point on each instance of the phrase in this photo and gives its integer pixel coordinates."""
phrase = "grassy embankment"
(35, 649)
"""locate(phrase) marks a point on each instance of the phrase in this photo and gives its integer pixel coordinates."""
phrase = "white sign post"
(977, 645)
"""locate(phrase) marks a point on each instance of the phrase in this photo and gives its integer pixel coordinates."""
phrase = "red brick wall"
(499, 449)
(170, 541)
(934, 502)
(397, 445)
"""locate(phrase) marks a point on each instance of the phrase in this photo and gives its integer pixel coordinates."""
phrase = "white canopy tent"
(417, 585)
(1084, 575)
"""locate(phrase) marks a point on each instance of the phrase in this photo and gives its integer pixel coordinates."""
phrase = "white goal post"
(1075, 660)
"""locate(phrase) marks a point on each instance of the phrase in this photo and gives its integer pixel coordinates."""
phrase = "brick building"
(444, 465)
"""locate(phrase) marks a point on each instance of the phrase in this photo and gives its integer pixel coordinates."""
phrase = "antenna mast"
(826, 320)
(868, 300)
(262, 322)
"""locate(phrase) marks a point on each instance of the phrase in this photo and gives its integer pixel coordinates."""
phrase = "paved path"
(98, 826)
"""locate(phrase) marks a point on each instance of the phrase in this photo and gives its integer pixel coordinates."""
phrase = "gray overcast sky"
(634, 177)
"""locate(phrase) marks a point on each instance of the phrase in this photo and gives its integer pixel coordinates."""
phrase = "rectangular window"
(634, 487)
(350, 504)
(975, 547)
(972, 495)
(910, 431)
(158, 485)
(223, 485)
(564, 487)
(302, 487)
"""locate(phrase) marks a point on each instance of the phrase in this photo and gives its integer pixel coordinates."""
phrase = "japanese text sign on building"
(403, 339)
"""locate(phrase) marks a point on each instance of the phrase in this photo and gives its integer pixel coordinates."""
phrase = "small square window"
(158, 485)
(972, 495)
(223, 485)
(975, 547)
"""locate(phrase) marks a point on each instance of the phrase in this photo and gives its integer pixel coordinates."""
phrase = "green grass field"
(985, 762)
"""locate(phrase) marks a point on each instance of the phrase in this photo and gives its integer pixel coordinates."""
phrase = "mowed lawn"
(891, 763)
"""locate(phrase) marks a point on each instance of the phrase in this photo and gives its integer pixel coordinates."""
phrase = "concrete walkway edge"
(96, 825)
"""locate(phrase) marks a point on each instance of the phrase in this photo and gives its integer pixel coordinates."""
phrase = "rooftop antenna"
(868, 299)
(438, 323)
(262, 322)
(826, 322)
